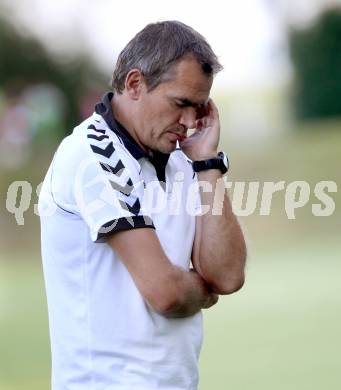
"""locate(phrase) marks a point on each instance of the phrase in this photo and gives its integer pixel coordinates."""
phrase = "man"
(124, 305)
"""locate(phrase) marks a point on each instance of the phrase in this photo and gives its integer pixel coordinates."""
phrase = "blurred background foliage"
(281, 331)
(25, 63)
(316, 57)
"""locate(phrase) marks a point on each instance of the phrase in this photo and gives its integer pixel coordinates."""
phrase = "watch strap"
(220, 162)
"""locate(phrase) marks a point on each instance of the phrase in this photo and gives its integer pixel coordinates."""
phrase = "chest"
(172, 206)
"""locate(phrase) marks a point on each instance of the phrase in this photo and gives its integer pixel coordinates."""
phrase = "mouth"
(176, 136)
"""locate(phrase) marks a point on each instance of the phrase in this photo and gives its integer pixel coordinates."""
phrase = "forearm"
(221, 250)
(165, 287)
(190, 294)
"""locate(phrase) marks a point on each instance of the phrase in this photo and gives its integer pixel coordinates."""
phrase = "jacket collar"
(158, 159)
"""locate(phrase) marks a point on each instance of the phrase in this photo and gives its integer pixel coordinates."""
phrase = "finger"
(201, 112)
(213, 108)
(198, 124)
(215, 298)
(212, 300)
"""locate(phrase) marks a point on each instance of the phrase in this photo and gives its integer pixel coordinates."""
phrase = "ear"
(134, 83)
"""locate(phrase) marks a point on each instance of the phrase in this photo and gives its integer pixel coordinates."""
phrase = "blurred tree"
(316, 56)
(24, 61)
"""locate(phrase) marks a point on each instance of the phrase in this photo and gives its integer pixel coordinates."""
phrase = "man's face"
(166, 113)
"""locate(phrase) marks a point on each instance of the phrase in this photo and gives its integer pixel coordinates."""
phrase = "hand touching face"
(203, 143)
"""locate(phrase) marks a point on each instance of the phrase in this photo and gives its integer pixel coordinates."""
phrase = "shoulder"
(93, 142)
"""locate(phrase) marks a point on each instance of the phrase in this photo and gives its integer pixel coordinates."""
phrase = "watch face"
(223, 156)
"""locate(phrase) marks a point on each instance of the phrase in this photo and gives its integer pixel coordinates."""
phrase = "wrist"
(218, 162)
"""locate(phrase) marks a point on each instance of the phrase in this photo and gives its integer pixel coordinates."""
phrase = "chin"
(165, 148)
(169, 148)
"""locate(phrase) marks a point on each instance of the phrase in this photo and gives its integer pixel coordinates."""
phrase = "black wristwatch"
(220, 162)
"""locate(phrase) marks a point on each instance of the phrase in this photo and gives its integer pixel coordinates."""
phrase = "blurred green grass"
(281, 331)
(24, 357)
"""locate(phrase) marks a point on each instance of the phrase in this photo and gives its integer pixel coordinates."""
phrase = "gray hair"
(156, 48)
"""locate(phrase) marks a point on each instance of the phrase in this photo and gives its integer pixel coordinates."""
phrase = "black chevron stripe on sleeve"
(107, 152)
(92, 127)
(134, 209)
(98, 137)
(126, 189)
(117, 170)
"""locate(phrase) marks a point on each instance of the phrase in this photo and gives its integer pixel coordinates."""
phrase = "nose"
(188, 117)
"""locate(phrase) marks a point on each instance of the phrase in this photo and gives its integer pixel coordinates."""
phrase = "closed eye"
(181, 103)
(185, 103)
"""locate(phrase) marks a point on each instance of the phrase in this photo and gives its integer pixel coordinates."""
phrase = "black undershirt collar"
(158, 159)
